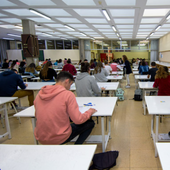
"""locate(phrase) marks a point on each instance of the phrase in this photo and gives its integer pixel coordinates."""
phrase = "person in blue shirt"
(56, 63)
(143, 69)
(10, 80)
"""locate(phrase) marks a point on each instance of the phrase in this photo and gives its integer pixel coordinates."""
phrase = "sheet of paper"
(85, 108)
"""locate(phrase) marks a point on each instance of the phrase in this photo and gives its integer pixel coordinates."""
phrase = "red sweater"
(163, 86)
(70, 68)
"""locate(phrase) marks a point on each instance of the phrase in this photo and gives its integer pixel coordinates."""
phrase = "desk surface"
(164, 154)
(136, 72)
(103, 105)
(37, 85)
(114, 77)
(43, 157)
(158, 104)
(146, 85)
(106, 85)
(117, 72)
(141, 77)
(4, 100)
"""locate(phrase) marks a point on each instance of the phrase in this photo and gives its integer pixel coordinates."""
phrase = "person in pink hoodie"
(55, 105)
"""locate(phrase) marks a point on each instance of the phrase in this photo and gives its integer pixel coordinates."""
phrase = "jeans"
(83, 130)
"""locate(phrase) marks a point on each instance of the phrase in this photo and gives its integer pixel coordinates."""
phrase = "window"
(59, 44)
(67, 44)
(50, 44)
(41, 44)
(75, 44)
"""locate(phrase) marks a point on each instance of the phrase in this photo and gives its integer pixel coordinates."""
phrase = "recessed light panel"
(163, 30)
(155, 12)
(166, 26)
(78, 25)
(105, 30)
(64, 29)
(122, 21)
(157, 2)
(89, 12)
(53, 12)
(122, 12)
(102, 26)
(7, 3)
(95, 20)
(40, 20)
(125, 30)
(11, 20)
(38, 2)
(79, 3)
(43, 29)
(69, 20)
(144, 30)
(125, 33)
(91, 33)
(2, 15)
(151, 20)
(109, 33)
(124, 26)
(20, 12)
(82, 29)
(148, 26)
(8, 26)
(120, 2)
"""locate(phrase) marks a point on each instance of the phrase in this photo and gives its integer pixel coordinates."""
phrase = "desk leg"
(144, 104)
(103, 134)
(110, 128)
(33, 126)
(7, 121)
(156, 134)
(152, 126)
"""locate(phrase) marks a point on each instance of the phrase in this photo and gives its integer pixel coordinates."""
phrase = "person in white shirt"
(107, 67)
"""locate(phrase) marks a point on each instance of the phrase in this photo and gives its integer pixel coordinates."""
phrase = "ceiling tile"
(151, 20)
(43, 29)
(20, 12)
(69, 20)
(157, 2)
(123, 21)
(125, 30)
(2, 15)
(102, 26)
(7, 3)
(11, 20)
(148, 26)
(105, 30)
(64, 29)
(155, 12)
(89, 12)
(54, 25)
(168, 21)
(122, 12)
(38, 2)
(72, 33)
(78, 25)
(53, 12)
(126, 33)
(8, 26)
(79, 3)
(163, 30)
(107, 33)
(124, 26)
(40, 20)
(166, 26)
(144, 30)
(120, 2)
(95, 20)
(82, 29)
(90, 32)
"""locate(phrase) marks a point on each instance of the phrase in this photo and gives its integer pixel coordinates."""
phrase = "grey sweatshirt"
(101, 77)
(86, 86)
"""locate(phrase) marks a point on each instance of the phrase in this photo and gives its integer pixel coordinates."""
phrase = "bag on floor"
(120, 94)
(104, 160)
(138, 95)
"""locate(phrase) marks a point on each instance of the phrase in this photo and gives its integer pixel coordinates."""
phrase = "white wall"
(14, 54)
(57, 54)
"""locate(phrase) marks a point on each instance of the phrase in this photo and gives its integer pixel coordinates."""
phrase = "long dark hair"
(30, 68)
(45, 69)
(98, 68)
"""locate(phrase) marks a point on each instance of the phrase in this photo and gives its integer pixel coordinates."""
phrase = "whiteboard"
(14, 54)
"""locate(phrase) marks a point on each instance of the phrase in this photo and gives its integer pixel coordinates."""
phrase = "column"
(87, 50)
(81, 49)
(154, 51)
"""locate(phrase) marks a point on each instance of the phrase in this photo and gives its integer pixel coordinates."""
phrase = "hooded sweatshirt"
(102, 76)
(9, 81)
(54, 105)
(86, 85)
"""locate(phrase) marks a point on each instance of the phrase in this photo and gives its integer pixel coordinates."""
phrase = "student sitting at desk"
(31, 70)
(86, 85)
(143, 69)
(55, 105)
(69, 67)
(47, 73)
(162, 81)
(10, 81)
(152, 71)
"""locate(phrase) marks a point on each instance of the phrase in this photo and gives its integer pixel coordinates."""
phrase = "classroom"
(110, 60)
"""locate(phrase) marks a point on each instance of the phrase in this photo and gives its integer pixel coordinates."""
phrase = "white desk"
(104, 106)
(37, 85)
(44, 157)
(3, 102)
(134, 69)
(158, 105)
(146, 87)
(109, 86)
(140, 77)
(164, 154)
(117, 72)
(135, 72)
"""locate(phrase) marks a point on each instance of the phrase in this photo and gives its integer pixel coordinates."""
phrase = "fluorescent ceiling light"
(117, 34)
(120, 39)
(83, 34)
(147, 38)
(157, 28)
(92, 38)
(152, 33)
(14, 35)
(63, 38)
(106, 14)
(69, 27)
(46, 34)
(17, 26)
(40, 14)
(8, 39)
(113, 27)
(168, 17)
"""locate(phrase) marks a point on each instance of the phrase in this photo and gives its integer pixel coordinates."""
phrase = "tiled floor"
(130, 133)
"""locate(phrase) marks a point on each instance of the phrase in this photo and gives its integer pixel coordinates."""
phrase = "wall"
(164, 48)
(14, 54)
(74, 55)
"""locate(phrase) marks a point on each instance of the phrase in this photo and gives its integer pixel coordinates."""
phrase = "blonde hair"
(30, 68)
(98, 68)
(44, 71)
(162, 73)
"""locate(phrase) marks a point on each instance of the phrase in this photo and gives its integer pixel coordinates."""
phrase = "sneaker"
(127, 86)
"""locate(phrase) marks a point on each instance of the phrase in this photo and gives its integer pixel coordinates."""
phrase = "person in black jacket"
(48, 73)
(128, 69)
(5, 64)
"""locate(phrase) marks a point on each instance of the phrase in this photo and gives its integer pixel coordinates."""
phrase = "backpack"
(138, 95)
(120, 94)
(104, 160)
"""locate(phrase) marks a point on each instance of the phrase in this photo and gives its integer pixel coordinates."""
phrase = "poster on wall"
(160, 55)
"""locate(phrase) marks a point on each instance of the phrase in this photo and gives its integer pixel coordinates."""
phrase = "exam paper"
(85, 108)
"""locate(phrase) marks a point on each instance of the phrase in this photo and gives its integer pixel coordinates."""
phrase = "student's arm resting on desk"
(156, 83)
(73, 111)
(149, 74)
(94, 86)
(20, 83)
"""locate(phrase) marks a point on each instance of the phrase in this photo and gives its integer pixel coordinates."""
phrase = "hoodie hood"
(7, 73)
(82, 75)
(50, 91)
